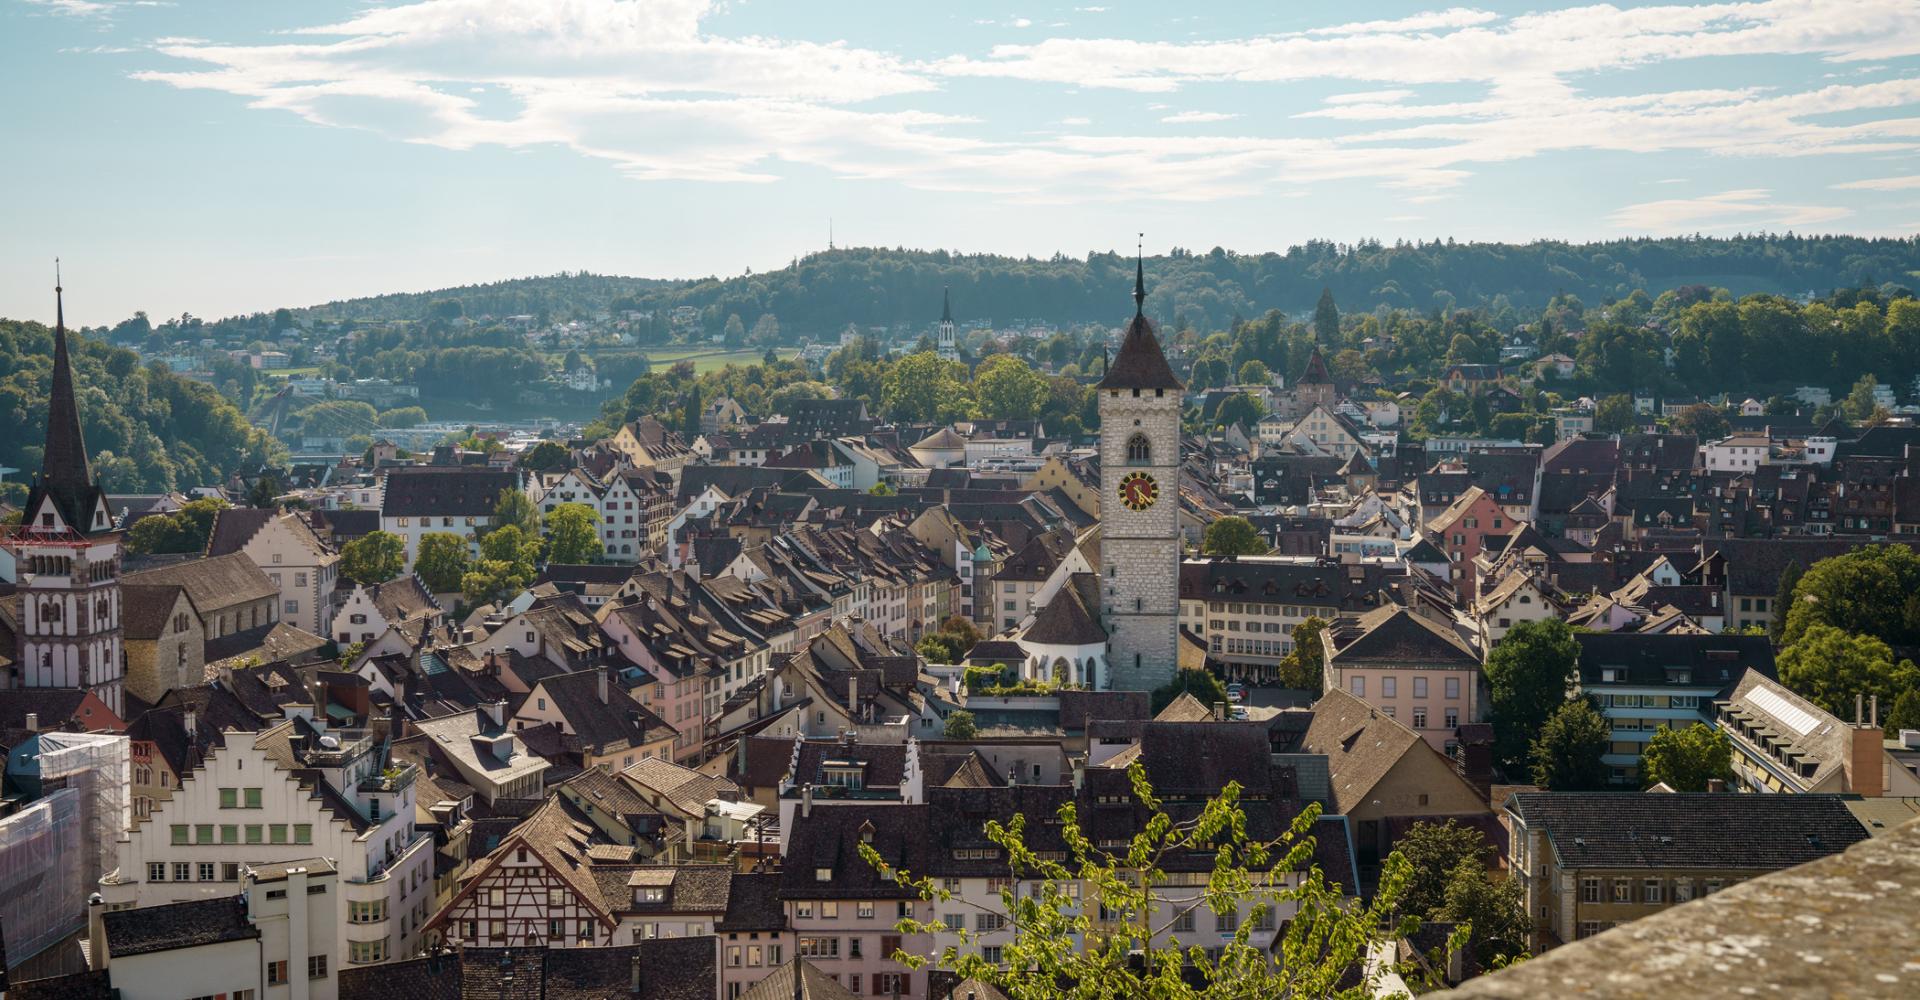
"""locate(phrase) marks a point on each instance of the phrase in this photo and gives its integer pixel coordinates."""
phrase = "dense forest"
(820, 294)
(147, 428)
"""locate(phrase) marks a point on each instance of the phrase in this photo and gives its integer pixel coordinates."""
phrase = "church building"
(1140, 400)
(66, 558)
(948, 342)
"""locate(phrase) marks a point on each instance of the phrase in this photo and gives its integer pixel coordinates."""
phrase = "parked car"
(1237, 691)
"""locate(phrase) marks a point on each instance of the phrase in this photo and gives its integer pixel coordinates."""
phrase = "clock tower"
(1140, 403)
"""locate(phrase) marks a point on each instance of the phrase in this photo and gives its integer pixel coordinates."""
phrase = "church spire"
(946, 305)
(1140, 363)
(65, 475)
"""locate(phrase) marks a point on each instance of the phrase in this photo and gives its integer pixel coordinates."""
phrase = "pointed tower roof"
(65, 475)
(1140, 363)
(946, 305)
(1316, 373)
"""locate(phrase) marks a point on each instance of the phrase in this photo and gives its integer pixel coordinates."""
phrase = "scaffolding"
(54, 851)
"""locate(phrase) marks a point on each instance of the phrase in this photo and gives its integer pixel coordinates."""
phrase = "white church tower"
(66, 558)
(948, 344)
(1140, 507)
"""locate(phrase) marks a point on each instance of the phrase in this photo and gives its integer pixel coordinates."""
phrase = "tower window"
(1139, 451)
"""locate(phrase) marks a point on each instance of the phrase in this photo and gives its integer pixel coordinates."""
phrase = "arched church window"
(1139, 451)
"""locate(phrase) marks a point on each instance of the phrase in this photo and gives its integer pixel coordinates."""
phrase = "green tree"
(1904, 713)
(1859, 404)
(1234, 535)
(1568, 755)
(960, 726)
(1007, 388)
(1056, 952)
(1614, 415)
(491, 580)
(373, 558)
(1686, 758)
(1856, 592)
(338, 418)
(1494, 910)
(1531, 672)
(1326, 319)
(1783, 601)
(734, 331)
(1832, 668)
(444, 558)
(547, 456)
(573, 534)
(264, 492)
(690, 414)
(403, 417)
(513, 508)
(1202, 684)
(1702, 421)
(924, 388)
(1303, 668)
(1433, 851)
(184, 530)
(1255, 372)
(1239, 409)
(882, 489)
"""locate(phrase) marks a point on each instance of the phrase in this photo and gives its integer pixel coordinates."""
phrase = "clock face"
(1138, 490)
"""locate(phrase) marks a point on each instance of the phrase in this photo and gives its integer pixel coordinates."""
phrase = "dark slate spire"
(65, 475)
(946, 306)
(1140, 363)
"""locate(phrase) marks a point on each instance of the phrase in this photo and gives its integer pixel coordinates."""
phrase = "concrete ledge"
(1847, 926)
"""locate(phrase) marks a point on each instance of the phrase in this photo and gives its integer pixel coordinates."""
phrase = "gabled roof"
(444, 491)
(1663, 831)
(214, 583)
(1393, 636)
(798, 980)
(1066, 621)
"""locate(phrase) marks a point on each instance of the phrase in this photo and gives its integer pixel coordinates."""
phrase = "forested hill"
(823, 292)
(555, 296)
(147, 429)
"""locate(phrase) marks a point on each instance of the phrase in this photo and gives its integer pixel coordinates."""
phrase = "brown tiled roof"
(192, 924)
(449, 491)
(1140, 364)
(1629, 830)
(1066, 621)
(753, 904)
(146, 609)
(798, 979)
(213, 583)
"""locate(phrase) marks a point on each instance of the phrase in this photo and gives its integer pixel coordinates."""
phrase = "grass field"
(706, 359)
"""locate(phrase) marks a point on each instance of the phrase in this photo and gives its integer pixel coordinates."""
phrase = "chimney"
(33, 722)
(806, 800)
(605, 681)
(1865, 763)
(1716, 784)
(497, 711)
(1219, 711)
(633, 973)
(853, 694)
(189, 721)
(96, 932)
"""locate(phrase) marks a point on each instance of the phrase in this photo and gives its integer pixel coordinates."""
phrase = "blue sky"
(215, 157)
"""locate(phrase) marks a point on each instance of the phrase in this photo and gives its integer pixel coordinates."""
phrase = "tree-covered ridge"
(821, 293)
(550, 295)
(147, 428)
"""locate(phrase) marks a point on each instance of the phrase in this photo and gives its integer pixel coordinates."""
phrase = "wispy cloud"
(1748, 207)
(658, 92)
(1882, 184)
(1198, 117)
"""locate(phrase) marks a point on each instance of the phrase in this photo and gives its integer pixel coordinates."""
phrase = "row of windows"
(1390, 687)
(231, 833)
(1283, 610)
(753, 955)
(231, 798)
(1647, 890)
(277, 971)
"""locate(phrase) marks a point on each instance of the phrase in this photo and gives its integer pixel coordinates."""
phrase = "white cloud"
(1882, 184)
(1371, 97)
(1198, 117)
(653, 89)
(1744, 208)
(74, 8)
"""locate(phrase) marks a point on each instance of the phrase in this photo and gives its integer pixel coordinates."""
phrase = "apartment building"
(296, 790)
(1588, 861)
(1645, 681)
(291, 552)
(1415, 669)
(1245, 609)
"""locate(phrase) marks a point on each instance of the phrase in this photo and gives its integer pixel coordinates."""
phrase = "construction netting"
(54, 851)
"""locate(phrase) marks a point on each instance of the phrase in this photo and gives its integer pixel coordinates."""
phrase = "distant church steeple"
(948, 342)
